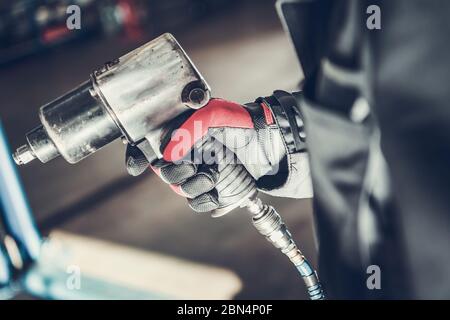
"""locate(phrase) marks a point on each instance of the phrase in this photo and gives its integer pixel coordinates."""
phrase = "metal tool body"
(133, 98)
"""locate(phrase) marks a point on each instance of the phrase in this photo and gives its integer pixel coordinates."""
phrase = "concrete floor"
(243, 54)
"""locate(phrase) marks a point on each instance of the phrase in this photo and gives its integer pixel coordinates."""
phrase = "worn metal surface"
(133, 96)
(148, 87)
(15, 212)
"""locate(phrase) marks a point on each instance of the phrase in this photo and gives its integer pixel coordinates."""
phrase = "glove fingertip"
(198, 185)
(177, 173)
(135, 161)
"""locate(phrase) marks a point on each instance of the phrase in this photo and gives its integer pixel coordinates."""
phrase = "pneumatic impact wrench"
(134, 98)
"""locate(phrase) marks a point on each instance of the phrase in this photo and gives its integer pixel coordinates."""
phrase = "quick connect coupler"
(269, 223)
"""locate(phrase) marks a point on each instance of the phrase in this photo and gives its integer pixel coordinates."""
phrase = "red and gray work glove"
(266, 137)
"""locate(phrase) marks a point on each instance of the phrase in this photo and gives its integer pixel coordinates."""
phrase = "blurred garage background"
(242, 51)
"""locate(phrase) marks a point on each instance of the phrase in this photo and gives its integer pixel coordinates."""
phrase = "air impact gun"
(134, 98)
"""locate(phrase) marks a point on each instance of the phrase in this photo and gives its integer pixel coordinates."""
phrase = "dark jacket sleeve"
(377, 124)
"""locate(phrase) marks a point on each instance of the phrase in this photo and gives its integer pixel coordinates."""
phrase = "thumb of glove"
(135, 161)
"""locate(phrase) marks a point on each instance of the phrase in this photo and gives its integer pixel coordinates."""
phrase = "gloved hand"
(204, 158)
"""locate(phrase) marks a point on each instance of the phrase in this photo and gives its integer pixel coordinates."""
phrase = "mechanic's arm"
(267, 137)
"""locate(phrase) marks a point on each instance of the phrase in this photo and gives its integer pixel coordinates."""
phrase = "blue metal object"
(315, 292)
(7, 288)
(5, 268)
(53, 285)
(35, 279)
(16, 213)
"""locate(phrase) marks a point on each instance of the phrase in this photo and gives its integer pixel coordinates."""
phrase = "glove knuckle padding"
(259, 151)
(234, 138)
